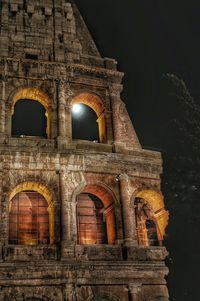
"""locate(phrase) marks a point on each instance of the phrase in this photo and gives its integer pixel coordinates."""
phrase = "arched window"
(88, 104)
(151, 217)
(91, 220)
(29, 119)
(31, 113)
(29, 219)
(84, 123)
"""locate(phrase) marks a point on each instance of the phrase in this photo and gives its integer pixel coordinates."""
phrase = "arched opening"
(151, 218)
(29, 219)
(84, 100)
(84, 125)
(31, 215)
(31, 113)
(91, 220)
(95, 216)
(29, 119)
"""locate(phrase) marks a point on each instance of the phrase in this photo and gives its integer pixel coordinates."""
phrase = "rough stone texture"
(47, 54)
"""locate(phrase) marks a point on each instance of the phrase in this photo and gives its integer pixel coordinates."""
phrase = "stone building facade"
(79, 220)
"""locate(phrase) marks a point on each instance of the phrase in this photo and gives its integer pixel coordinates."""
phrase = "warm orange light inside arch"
(95, 103)
(43, 190)
(108, 202)
(36, 95)
(156, 201)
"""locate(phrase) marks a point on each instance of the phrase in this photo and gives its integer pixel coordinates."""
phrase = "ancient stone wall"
(47, 55)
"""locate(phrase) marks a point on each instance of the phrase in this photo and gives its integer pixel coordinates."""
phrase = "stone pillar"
(69, 292)
(64, 115)
(67, 246)
(119, 224)
(116, 102)
(109, 127)
(2, 108)
(130, 235)
(68, 123)
(135, 292)
(61, 110)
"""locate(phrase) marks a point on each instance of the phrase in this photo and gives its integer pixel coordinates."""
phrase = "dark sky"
(147, 38)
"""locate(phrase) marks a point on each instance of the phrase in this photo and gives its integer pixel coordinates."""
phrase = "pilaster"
(67, 245)
(135, 292)
(127, 212)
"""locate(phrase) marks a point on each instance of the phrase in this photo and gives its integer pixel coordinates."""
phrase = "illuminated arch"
(160, 215)
(43, 190)
(95, 103)
(36, 95)
(107, 200)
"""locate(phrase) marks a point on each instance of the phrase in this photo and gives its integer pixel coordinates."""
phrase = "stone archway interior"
(28, 219)
(91, 221)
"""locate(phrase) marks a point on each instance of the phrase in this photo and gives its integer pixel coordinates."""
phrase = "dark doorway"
(84, 124)
(29, 119)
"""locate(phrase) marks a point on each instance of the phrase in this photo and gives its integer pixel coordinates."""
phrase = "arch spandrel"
(32, 94)
(44, 191)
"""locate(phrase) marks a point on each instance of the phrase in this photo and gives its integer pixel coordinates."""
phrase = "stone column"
(64, 115)
(69, 292)
(130, 235)
(116, 102)
(108, 115)
(61, 109)
(67, 248)
(2, 108)
(68, 123)
(119, 224)
(134, 292)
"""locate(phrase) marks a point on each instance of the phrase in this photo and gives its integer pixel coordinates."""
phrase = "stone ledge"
(98, 252)
(27, 253)
(31, 142)
(146, 254)
(92, 146)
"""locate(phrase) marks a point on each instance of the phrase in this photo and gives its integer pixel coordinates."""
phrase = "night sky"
(149, 38)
